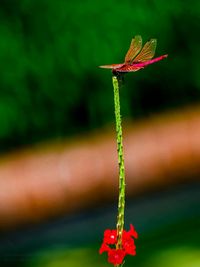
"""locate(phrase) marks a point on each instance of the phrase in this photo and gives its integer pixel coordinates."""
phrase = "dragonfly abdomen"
(143, 64)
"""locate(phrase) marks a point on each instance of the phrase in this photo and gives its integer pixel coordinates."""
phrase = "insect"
(137, 57)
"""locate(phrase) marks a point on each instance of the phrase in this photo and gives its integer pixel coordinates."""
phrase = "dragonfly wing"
(147, 52)
(106, 66)
(134, 49)
(112, 66)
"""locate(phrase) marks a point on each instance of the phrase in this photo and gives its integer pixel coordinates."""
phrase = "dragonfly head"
(119, 75)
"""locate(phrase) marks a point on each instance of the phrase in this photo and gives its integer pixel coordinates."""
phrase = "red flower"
(116, 256)
(128, 241)
(129, 246)
(110, 237)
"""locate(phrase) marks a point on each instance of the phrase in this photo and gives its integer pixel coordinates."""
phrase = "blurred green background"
(49, 53)
(51, 87)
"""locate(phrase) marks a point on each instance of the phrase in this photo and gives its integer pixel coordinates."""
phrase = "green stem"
(121, 200)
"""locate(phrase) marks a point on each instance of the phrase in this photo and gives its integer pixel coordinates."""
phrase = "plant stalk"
(121, 199)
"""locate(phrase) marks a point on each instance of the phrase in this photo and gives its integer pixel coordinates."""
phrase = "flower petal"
(132, 231)
(104, 248)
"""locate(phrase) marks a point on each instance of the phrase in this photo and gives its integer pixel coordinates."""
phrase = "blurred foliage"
(50, 85)
(167, 223)
(176, 256)
(171, 246)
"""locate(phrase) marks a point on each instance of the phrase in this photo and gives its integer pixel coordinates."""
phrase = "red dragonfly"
(137, 57)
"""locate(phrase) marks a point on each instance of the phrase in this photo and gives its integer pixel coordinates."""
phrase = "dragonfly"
(137, 57)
